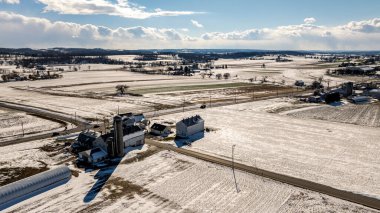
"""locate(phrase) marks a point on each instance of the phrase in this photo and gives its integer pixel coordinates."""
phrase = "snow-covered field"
(363, 114)
(13, 122)
(170, 182)
(340, 155)
(299, 69)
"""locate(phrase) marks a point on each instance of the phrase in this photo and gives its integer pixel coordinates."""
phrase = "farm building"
(87, 139)
(375, 93)
(93, 155)
(124, 134)
(189, 126)
(360, 99)
(133, 136)
(360, 70)
(20, 190)
(159, 129)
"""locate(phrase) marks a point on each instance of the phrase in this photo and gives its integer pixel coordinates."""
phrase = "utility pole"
(22, 127)
(210, 100)
(118, 110)
(233, 168)
(235, 95)
(277, 90)
(75, 117)
(104, 124)
(183, 105)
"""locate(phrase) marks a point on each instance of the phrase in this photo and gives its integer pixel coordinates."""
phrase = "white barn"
(190, 126)
(133, 136)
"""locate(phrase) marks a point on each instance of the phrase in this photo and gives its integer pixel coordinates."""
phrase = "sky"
(178, 24)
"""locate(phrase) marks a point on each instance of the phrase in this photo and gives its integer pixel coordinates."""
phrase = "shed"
(159, 129)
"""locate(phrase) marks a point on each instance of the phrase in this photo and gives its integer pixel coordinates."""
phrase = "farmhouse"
(87, 139)
(159, 129)
(189, 126)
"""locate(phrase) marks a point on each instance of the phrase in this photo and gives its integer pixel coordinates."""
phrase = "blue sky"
(229, 24)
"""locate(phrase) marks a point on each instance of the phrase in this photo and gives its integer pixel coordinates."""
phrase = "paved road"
(79, 123)
(301, 183)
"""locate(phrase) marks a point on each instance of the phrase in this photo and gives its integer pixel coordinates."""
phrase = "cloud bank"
(10, 1)
(122, 8)
(22, 31)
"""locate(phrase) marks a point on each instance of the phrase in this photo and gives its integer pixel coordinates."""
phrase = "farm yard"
(142, 186)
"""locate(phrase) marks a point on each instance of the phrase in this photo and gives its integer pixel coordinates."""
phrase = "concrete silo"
(118, 137)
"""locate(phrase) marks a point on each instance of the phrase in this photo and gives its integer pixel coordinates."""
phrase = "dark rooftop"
(191, 121)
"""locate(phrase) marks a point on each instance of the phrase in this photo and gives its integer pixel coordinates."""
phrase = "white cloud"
(362, 35)
(122, 8)
(196, 24)
(42, 33)
(310, 20)
(367, 26)
(10, 1)
(184, 30)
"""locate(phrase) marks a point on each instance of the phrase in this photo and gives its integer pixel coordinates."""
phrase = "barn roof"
(191, 121)
(158, 127)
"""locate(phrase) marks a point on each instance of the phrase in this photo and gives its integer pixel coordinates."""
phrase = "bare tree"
(226, 75)
(122, 89)
(203, 74)
(264, 79)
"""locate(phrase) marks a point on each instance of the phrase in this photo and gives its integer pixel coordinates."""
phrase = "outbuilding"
(159, 129)
(189, 126)
(93, 156)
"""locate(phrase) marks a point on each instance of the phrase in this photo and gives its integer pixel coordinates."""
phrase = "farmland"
(196, 186)
(301, 148)
(282, 135)
(364, 115)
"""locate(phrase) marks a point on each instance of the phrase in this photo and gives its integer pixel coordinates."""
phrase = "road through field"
(302, 183)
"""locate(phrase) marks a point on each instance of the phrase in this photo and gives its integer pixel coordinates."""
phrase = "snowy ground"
(169, 182)
(12, 123)
(359, 114)
(340, 155)
(299, 69)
